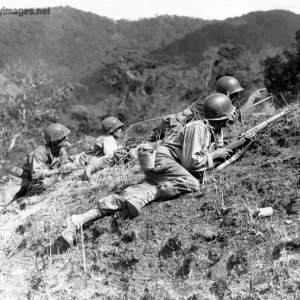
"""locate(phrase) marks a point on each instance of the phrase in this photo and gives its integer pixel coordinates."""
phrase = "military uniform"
(168, 171)
(175, 162)
(99, 152)
(32, 178)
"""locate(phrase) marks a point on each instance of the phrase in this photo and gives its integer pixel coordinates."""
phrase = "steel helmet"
(218, 107)
(55, 132)
(228, 85)
(111, 124)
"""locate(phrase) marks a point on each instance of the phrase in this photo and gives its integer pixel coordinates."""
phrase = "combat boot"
(76, 221)
(69, 233)
(72, 224)
(136, 203)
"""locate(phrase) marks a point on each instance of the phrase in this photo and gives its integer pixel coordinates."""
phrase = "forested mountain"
(79, 68)
(80, 41)
(254, 31)
(83, 41)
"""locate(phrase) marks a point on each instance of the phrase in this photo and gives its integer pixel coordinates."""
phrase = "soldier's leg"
(36, 187)
(133, 198)
(79, 159)
(170, 176)
(97, 163)
(168, 179)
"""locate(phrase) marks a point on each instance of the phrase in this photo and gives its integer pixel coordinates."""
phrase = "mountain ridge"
(71, 38)
(255, 31)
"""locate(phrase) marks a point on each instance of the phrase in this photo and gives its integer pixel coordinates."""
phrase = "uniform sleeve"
(109, 146)
(97, 144)
(37, 164)
(195, 151)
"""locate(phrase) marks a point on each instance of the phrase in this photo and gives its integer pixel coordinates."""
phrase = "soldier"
(226, 85)
(100, 153)
(230, 87)
(189, 153)
(36, 175)
(172, 124)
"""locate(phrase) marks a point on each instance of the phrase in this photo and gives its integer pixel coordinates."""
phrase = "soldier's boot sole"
(134, 208)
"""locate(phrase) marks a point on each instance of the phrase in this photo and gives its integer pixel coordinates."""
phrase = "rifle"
(242, 141)
(263, 100)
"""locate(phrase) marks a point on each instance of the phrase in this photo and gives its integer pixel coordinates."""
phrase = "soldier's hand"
(221, 153)
(251, 136)
(235, 116)
(43, 183)
(64, 169)
(256, 95)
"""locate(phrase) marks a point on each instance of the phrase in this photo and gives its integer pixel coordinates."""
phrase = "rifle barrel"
(259, 127)
(237, 143)
(263, 100)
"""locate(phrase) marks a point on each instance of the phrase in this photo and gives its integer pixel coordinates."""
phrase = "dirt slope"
(209, 245)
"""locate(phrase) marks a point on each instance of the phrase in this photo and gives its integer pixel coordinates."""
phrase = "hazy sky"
(135, 9)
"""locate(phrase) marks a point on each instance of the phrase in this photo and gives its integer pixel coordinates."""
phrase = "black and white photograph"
(149, 150)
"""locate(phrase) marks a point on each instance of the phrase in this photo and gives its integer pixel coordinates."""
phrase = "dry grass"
(192, 247)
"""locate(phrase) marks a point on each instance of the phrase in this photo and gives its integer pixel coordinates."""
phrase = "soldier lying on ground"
(37, 174)
(175, 163)
(100, 153)
(171, 126)
(226, 85)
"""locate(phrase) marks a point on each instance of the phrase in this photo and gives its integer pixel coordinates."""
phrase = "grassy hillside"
(209, 245)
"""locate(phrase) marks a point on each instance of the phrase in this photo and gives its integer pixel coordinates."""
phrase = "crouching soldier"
(175, 162)
(36, 175)
(100, 153)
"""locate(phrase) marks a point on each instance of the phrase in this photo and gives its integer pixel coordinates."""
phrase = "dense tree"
(282, 72)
